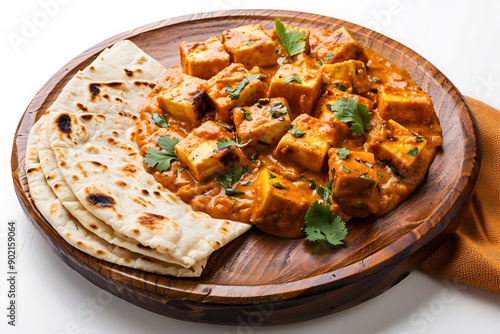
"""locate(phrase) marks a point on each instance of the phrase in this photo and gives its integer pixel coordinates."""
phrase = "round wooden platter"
(264, 280)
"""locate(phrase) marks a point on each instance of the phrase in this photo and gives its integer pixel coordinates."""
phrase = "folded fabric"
(471, 255)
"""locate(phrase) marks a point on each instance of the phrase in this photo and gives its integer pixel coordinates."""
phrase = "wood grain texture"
(264, 280)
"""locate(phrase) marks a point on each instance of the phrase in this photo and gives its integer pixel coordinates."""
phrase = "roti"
(86, 175)
(76, 234)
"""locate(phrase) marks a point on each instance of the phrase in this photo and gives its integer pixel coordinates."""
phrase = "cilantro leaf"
(223, 143)
(366, 178)
(340, 86)
(227, 179)
(161, 159)
(234, 94)
(278, 185)
(292, 41)
(413, 152)
(354, 113)
(324, 192)
(295, 78)
(321, 224)
(343, 153)
(278, 111)
(159, 120)
(248, 115)
(312, 185)
(295, 132)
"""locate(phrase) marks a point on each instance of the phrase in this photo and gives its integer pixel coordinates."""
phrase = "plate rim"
(329, 279)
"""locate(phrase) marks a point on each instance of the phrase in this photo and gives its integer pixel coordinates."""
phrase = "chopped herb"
(159, 120)
(234, 94)
(359, 205)
(278, 185)
(248, 115)
(162, 159)
(312, 185)
(223, 143)
(366, 178)
(292, 41)
(354, 113)
(346, 169)
(419, 137)
(271, 176)
(319, 63)
(296, 132)
(324, 192)
(340, 86)
(179, 170)
(250, 43)
(228, 179)
(385, 163)
(321, 224)
(413, 152)
(343, 153)
(379, 174)
(231, 191)
(278, 112)
(329, 57)
(295, 78)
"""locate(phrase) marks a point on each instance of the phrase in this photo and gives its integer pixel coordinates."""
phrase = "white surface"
(40, 37)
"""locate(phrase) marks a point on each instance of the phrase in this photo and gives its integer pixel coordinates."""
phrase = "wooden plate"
(259, 279)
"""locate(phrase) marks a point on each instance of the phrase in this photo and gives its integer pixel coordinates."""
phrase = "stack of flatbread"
(86, 176)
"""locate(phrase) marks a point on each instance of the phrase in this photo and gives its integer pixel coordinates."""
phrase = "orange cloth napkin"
(471, 255)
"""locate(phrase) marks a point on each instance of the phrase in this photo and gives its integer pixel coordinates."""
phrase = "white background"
(461, 38)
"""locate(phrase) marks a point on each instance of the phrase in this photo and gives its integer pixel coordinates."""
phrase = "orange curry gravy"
(285, 217)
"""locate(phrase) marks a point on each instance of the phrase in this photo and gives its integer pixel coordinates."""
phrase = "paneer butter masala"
(256, 126)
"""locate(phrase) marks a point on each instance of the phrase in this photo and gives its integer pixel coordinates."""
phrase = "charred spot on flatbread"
(130, 169)
(101, 200)
(87, 117)
(64, 123)
(145, 83)
(128, 72)
(82, 107)
(152, 221)
(94, 88)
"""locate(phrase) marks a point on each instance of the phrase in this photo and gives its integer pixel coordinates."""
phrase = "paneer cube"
(337, 46)
(203, 59)
(349, 76)
(199, 150)
(404, 105)
(182, 96)
(264, 122)
(300, 86)
(250, 45)
(233, 87)
(307, 143)
(354, 181)
(325, 112)
(278, 204)
(290, 27)
(399, 146)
